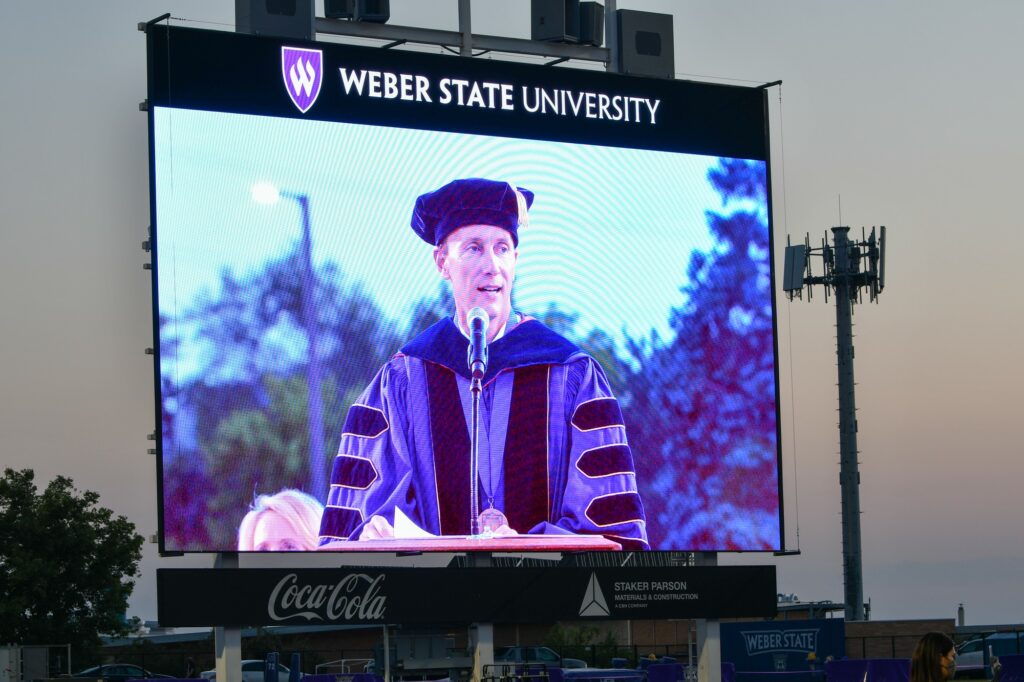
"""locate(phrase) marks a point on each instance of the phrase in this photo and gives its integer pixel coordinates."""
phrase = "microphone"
(477, 355)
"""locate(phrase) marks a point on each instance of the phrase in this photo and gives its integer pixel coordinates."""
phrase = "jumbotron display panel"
(324, 216)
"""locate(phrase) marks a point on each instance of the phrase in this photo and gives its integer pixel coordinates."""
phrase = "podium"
(465, 543)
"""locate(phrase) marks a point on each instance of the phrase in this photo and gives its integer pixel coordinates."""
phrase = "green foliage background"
(67, 564)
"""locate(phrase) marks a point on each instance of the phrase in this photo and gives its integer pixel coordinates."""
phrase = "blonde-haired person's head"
(288, 521)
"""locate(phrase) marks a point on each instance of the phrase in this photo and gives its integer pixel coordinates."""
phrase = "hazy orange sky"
(905, 114)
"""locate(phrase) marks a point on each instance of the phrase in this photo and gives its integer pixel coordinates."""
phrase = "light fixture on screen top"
(375, 11)
(281, 18)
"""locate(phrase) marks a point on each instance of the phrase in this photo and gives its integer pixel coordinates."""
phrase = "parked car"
(974, 656)
(119, 672)
(252, 671)
(969, 659)
(534, 655)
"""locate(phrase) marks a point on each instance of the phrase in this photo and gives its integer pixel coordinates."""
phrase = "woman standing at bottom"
(934, 659)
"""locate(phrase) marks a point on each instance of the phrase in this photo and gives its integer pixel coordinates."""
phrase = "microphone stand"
(474, 456)
(476, 357)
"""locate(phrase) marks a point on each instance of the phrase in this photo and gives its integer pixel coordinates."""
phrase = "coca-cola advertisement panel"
(239, 597)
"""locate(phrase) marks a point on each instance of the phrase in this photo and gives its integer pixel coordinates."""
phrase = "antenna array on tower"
(866, 266)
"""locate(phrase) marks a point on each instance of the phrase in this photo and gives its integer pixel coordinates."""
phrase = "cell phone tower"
(849, 268)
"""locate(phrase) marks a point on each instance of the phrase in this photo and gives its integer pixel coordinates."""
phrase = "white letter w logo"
(303, 77)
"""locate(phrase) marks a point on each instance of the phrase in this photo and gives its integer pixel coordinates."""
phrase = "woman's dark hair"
(926, 663)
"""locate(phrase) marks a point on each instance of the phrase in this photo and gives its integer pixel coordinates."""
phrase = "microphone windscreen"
(477, 314)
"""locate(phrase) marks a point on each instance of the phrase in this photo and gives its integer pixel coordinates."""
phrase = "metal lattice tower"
(849, 267)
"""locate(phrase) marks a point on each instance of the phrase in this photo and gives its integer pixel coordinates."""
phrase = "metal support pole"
(227, 641)
(709, 638)
(318, 476)
(387, 655)
(849, 475)
(481, 635)
(474, 459)
(466, 29)
(611, 36)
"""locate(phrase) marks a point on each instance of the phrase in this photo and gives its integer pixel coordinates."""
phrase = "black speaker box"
(555, 20)
(645, 44)
(339, 9)
(591, 23)
(377, 11)
(281, 18)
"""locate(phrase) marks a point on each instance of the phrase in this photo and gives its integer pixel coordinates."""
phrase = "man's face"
(480, 262)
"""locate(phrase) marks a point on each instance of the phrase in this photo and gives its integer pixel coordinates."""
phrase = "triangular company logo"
(594, 603)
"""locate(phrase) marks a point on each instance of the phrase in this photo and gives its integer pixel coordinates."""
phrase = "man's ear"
(440, 255)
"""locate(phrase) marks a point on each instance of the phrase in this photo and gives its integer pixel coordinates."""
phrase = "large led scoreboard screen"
(325, 217)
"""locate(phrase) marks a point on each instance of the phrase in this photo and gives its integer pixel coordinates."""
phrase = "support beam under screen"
(227, 641)
(481, 635)
(709, 638)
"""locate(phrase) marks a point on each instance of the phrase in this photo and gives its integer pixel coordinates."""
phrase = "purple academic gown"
(553, 451)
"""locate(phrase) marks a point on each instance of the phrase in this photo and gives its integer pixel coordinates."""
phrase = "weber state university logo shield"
(303, 73)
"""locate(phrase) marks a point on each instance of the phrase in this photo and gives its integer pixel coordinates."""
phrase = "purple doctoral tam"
(471, 201)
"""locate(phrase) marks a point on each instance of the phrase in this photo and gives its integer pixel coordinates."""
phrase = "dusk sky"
(905, 114)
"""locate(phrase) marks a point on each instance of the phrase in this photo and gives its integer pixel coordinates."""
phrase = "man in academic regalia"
(553, 455)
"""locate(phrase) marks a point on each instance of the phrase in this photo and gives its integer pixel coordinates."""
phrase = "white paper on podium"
(405, 529)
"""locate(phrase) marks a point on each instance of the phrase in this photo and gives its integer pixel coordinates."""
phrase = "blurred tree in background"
(701, 413)
(67, 565)
(430, 310)
(237, 426)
